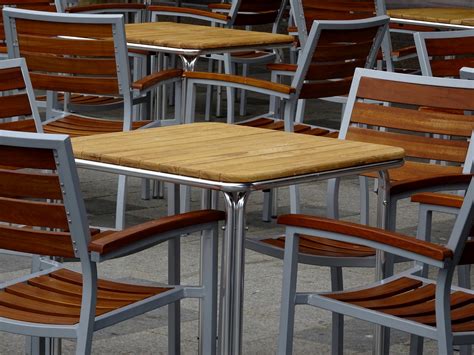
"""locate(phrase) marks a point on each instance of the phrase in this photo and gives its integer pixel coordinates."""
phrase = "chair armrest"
(107, 242)
(438, 199)
(250, 83)
(189, 12)
(281, 67)
(95, 7)
(435, 183)
(365, 235)
(154, 79)
(467, 73)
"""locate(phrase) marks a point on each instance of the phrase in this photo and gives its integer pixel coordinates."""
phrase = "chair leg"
(121, 202)
(230, 91)
(295, 199)
(243, 93)
(464, 276)
(209, 92)
(416, 345)
(332, 198)
(208, 313)
(287, 311)
(364, 200)
(337, 339)
(267, 205)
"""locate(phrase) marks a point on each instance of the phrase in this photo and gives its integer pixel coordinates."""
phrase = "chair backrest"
(251, 12)
(383, 108)
(39, 5)
(333, 50)
(445, 53)
(75, 53)
(132, 12)
(18, 111)
(41, 209)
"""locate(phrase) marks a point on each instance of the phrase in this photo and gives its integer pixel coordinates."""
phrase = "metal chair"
(364, 116)
(43, 213)
(85, 54)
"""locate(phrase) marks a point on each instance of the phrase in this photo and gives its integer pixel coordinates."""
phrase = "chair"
(43, 213)
(407, 302)
(367, 119)
(85, 54)
(243, 13)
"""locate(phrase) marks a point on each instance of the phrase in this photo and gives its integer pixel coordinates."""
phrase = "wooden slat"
(14, 105)
(414, 94)
(363, 35)
(33, 213)
(327, 88)
(414, 146)
(52, 29)
(341, 51)
(113, 6)
(450, 46)
(35, 241)
(386, 290)
(338, 5)
(59, 64)
(26, 125)
(78, 84)
(337, 70)
(30, 317)
(259, 6)
(19, 157)
(249, 19)
(450, 67)
(413, 120)
(11, 79)
(20, 184)
(63, 46)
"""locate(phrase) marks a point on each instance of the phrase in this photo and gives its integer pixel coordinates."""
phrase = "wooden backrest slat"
(363, 35)
(343, 6)
(34, 158)
(19, 184)
(413, 120)
(27, 125)
(414, 146)
(327, 88)
(450, 46)
(311, 15)
(321, 71)
(39, 242)
(33, 213)
(112, 6)
(63, 46)
(84, 66)
(38, 7)
(14, 105)
(415, 94)
(53, 29)
(259, 6)
(85, 85)
(24, 2)
(253, 19)
(341, 52)
(450, 67)
(11, 79)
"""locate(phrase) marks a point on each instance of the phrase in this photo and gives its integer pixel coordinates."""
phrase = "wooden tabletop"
(228, 153)
(453, 16)
(185, 36)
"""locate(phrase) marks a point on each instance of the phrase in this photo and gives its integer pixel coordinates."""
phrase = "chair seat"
(323, 247)
(84, 126)
(55, 298)
(411, 299)
(279, 125)
(79, 99)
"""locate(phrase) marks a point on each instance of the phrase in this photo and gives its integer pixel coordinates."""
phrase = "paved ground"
(148, 334)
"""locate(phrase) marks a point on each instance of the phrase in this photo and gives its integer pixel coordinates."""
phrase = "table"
(192, 41)
(443, 18)
(234, 160)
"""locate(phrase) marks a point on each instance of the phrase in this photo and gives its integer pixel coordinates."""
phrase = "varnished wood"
(78, 84)
(112, 6)
(11, 79)
(117, 240)
(229, 153)
(264, 84)
(437, 252)
(431, 198)
(20, 184)
(18, 157)
(414, 94)
(14, 105)
(455, 16)
(190, 11)
(54, 29)
(155, 78)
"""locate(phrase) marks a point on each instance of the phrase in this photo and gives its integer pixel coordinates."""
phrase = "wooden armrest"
(437, 199)
(400, 241)
(179, 11)
(282, 67)
(257, 83)
(92, 7)
(155, 78)
(435, 183)
(292, 29)
(107, 242)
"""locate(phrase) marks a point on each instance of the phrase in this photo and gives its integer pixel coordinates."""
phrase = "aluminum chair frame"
(80, 235)
(442, 333)
(126, 91)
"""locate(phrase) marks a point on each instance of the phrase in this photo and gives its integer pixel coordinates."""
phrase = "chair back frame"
(119, 40)
(421, 39)
(28, 89)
